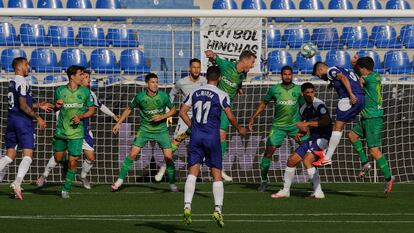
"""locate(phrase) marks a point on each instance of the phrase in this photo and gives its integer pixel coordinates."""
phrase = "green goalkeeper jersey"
(150, 106)
(231, 80)
(373, 97)
(75, 103)
(287, 102)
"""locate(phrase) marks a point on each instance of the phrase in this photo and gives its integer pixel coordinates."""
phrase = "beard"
(286, 83)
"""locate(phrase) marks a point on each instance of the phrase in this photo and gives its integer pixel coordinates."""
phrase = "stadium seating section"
(112, 50)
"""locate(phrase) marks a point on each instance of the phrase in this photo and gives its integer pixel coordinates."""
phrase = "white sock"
(3, 173)
(218, 193)
(288, 177)
(333, 143)
(23, 168)
(119, 182)
(189, 190)
(49, 167)
(4, 161)
(315, 179)
(86, 167)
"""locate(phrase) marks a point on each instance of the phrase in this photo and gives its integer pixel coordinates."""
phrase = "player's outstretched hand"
(41, 123)
(354, 60)
(59, 104)
(353, 99)
(210, 54)
(157, 118)
(302, 126)
(169, 121)
(46, 106)
(298, 136)
(243, 131)
(240, 91)
(115, 130)
(250, 125)
(76, 119)
(116, 118)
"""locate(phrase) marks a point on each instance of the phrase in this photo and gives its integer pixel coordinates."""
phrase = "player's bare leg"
(86, 167)
(129, 160)
(224, 147)
(264, 167)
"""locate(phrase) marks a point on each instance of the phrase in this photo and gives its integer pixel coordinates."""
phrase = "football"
(308, 50)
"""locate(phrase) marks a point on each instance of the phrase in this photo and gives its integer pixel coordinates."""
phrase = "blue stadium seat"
(397, 62)
(33, 35)
(8, 35)
(326, 38)
(316, 78)
(20, 4)
(32, 80)
(274, 39)
(121, 37)
(54, 4)
(224, 4)
(253, 5)
(284, 5)
(103, 61)
(80, 4)
(339, 58)
(295, 37)
(155, 38)
(54, 79)
(385, 36)
(44, 60)
(312, 5)
(160, 59)
(111, 80)
(407, 36)
(62, 36)
(404, 79)
(305, 65)
(277, 59)
(7, 56)
(374, 55)
(182, 57)
(110, 4)
(92, 36)
(1, 6)
(73, 56)
(342, 5)
(356, 37)
(370, 5)
(133, 62)
(398, 4)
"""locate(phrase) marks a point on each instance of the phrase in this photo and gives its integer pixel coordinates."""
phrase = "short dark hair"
(150, 76)
(85, 71)
(286, 68)
(366, 62)
(17, 61)
(71, 70)
(246, 54)
(306, 85)
(213, 73)
(315, 67)
(194, 60)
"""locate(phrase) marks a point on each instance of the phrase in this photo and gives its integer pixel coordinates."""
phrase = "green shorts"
(278, 134)
(370, 129)
(73, 146)
(162, 138)
(224, 121)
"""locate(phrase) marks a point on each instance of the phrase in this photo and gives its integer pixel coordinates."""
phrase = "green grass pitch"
(152, 208)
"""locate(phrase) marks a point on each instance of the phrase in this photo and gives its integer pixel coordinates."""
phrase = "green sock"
(224, 146)
(264, 168)
(382, 164)
(174, 147)
(70, 176)
(171, 172)
(125, 167)
(360, 151)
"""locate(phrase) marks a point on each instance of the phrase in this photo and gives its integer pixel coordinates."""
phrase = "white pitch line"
(204, 220)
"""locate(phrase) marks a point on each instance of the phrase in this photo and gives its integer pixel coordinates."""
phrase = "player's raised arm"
(210, 54)
(347, 86)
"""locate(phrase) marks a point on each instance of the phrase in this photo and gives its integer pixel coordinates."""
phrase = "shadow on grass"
(168, 228)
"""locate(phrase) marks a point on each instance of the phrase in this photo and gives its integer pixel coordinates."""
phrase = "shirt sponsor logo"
(228, 82)
(286, 102)
(74, 105)
(153, 112)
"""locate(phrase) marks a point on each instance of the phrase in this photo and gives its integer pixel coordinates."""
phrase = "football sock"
(23, 168)
(49, 167)
(382, 164)
(189, 189)
(288, 177)
(4, 161)
(125, 167)
(360, 151)
(70, 176)
(333, 143)
(264, 168)
(224, 146)
(314, 179)
(171, 172)
(86, 167)
(218, 193)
